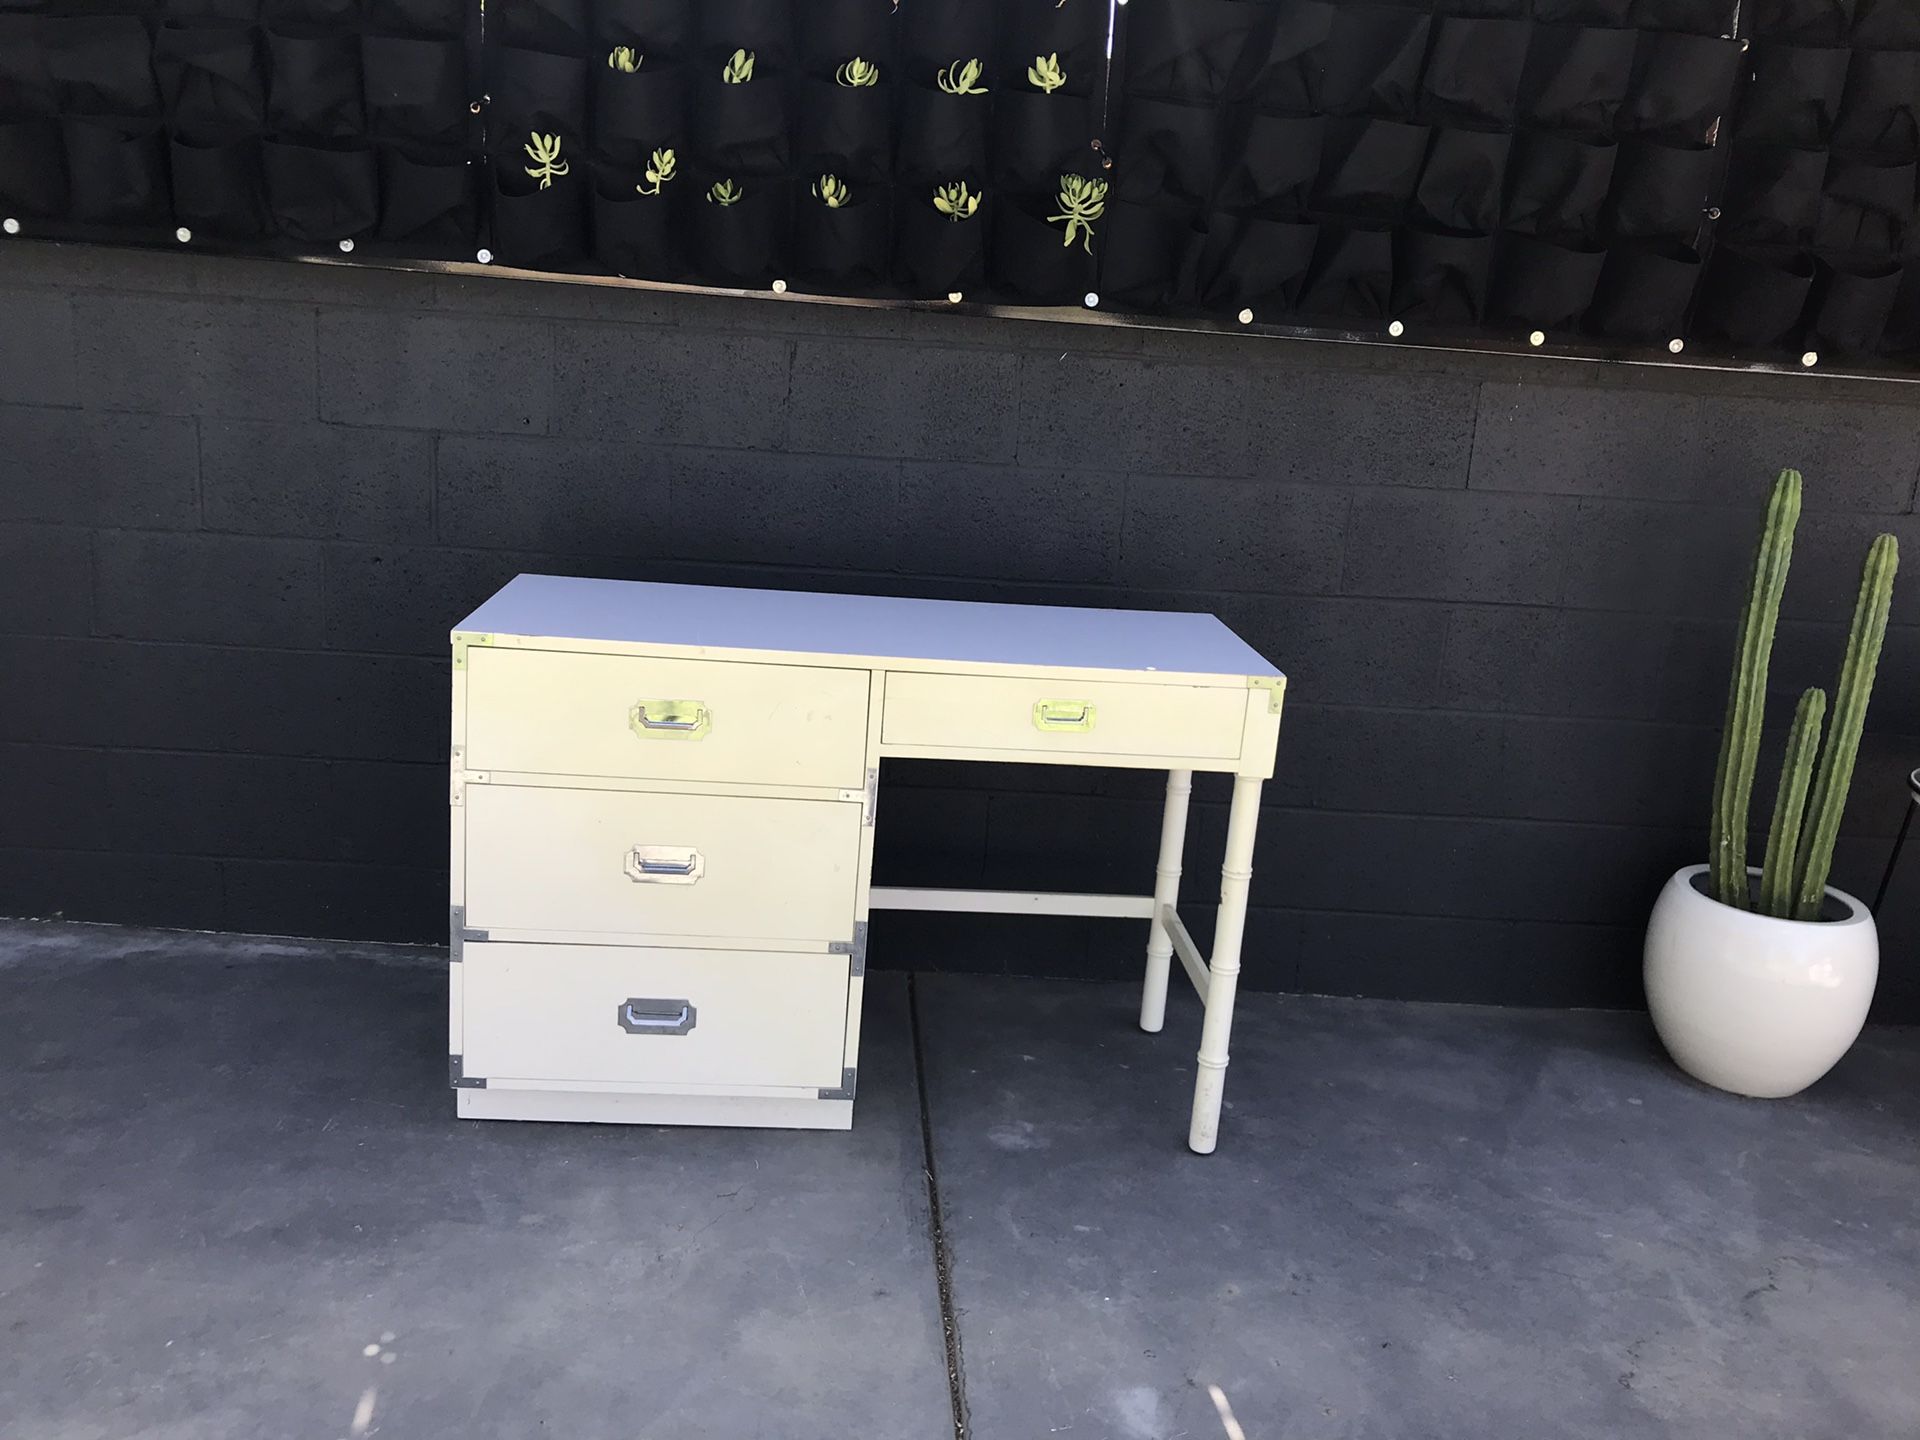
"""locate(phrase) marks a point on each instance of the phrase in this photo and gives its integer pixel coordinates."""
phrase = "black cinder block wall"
(241, 503)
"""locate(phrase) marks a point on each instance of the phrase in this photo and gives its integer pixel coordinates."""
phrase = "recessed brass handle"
(670, 719)
(1063, 715)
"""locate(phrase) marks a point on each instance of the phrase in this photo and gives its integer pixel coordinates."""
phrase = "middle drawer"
(660, 868)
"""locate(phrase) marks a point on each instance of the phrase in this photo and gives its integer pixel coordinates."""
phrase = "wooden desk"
(663, 801)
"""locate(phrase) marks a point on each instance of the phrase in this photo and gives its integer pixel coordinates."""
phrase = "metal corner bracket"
(856, 948)
(844, 1091)
(1274, 685)
(459, 1081)
(458, 934)
(460, 644)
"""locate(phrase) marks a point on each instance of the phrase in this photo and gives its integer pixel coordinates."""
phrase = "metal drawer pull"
(657, 1017)
(665, 864)
(670, 719)
(1063, 715)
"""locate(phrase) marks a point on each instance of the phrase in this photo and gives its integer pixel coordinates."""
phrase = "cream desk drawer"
(1068, 717)
(553, 712)
(603, 1015)
(661, 868)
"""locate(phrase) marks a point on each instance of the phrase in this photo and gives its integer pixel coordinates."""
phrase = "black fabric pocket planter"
(1035, 259)
(1067, 40)
(1149, 255)
(741, 130)
(1886, 25)
(1369, 168)
(318, 17)
(638, 112)
(936, 36)
(1773, 194)
(1902, 333)
(1643, 292)
(1373, 59)
(1610, 13)
(844, 129)
(1460, 186)
(538, 227)
(416, 90)
(219, 190)
(657, 30)
(1036, 137)
(1681, 86)
(118, 172)
(942, 136)
(1880, 113)
(429, 19)
(838, 31)
(935, 254)
(536, 90)
(1557, 187)
(1257, 263)
(559, 26)
(1751, 299)
(763, 28)
(1167, 153)
(1867, 208)
(1805, 22)
(1543, 286)
(1659, 192)
(1472, 74)
(637, 235)
(1275, 169)
(1794, 96)
(26, 84)
(1440, 278)
(1286, 58)
(211, 80)
(1351, 275)
(1576, 80)
(741, 243)
(429, 202)
(100, 64)
(321, 194)
(313, 91)
(1850, 308)
(211, 12)
(843, 247)
(1186, 49)
(33, 179)
(1690, 17)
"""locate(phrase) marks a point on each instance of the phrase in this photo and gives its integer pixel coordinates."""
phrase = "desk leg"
(1223, 967)
(1166, 891)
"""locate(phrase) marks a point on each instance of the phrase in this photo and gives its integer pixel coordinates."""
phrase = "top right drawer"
(1068, 717)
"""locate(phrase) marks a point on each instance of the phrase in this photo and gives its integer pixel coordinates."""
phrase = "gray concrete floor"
(231, 1167)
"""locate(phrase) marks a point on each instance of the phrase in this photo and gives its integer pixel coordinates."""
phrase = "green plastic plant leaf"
(725, 192)
(955, 202)
(1082, 201)
(962, 77)
(624, 58)
(832, 191)
(1045, 73)
(739, 68)
(547, 165)
(857, 73)
(661, 168)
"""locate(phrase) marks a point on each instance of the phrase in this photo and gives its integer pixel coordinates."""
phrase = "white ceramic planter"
(1752, 1004)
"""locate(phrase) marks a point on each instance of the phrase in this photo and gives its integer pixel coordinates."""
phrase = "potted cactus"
(1759, 978)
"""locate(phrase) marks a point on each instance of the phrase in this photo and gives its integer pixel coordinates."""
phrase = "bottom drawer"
(602, 1014)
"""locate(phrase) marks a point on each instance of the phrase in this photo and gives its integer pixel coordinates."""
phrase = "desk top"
(866, 626)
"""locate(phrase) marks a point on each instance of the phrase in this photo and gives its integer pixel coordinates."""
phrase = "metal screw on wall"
(1906, 823)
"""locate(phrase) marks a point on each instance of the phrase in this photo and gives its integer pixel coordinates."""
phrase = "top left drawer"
(552, 712)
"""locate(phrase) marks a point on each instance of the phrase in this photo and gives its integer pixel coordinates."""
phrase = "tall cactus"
(1746, 700)
(1778, 872)
(1850, 695)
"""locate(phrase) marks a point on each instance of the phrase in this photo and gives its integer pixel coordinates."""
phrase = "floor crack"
(942, 1252)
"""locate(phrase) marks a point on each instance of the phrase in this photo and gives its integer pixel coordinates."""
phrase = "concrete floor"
(231, 1169)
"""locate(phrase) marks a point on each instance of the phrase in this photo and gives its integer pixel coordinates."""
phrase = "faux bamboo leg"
(1224, 967)
(1166, 891)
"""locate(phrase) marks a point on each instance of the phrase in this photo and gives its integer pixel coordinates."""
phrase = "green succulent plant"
(832, 191)
(739, 68)
(1082, 201)
(1045, 73)
(725, 192)
(547, 165)
(955, 202)
(857, 73)
(962, 77)
(624, 58)
(661, 168)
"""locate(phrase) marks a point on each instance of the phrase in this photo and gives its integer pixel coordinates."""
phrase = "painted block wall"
(241, 503)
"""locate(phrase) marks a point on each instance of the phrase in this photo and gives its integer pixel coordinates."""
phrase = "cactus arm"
(1777, 872)
(1746, 701)
(1850, 696)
